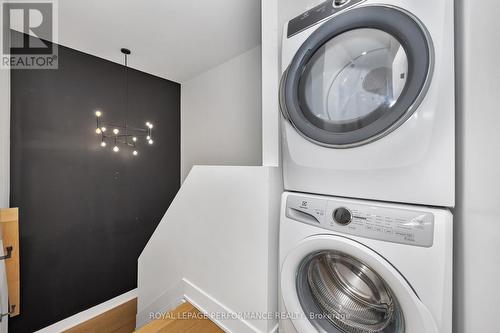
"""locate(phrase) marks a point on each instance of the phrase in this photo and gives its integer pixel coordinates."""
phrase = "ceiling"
(173, 39)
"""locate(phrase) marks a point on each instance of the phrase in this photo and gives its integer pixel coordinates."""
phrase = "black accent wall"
(86, 212)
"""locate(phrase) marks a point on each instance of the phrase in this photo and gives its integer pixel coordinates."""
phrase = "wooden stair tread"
(120, 319)
(184, 319)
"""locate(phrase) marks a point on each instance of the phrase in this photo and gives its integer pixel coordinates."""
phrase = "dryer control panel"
(318, 14)
(396, 225)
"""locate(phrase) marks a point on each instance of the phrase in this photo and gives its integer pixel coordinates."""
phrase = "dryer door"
(334, 284)
(358, 77)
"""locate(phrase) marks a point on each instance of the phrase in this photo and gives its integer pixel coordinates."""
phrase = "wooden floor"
(118, 320)
(184, 319)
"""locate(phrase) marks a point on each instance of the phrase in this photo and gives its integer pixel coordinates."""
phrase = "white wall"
(221, 117)
(477, 226)
(4, 138)
(205, 104)
(217, 246)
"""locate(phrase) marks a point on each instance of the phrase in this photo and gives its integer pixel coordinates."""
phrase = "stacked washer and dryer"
(367, 98)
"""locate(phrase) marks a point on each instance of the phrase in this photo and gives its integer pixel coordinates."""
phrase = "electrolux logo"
(29, 34)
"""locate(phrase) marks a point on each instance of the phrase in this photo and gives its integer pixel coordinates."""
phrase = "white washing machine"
(356, 266)
(367, 97)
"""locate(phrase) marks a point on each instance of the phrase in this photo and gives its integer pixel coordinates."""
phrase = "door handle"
(9, 253)
(300, 216)
(8, 313)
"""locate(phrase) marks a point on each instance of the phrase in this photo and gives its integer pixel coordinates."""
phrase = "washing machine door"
(358, 77)
(335, 284)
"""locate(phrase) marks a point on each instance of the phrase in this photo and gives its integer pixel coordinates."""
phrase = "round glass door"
(342, 294)
(353, 80)
(358, 77)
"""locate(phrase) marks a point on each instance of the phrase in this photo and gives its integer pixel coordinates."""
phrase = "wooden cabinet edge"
(9, 222)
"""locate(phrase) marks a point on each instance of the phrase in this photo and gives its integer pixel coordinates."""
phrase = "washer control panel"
(396, 225)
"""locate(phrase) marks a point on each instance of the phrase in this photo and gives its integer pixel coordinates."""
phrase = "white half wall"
(4, 138)
(221, 115)
(477, 226)
(217, 246)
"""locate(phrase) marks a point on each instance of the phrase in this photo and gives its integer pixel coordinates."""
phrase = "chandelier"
(123, 135)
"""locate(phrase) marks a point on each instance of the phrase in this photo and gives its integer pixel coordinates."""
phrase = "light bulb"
(151, 141)
(103, 144)
(116, 149)
(135, 153)
(148, 138)
(134, 139)
(116, 131)
(103, 129)
(98, 113)
(98, 130)
(148, 123)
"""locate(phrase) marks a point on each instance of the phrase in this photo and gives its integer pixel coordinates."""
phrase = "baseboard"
(167, 301)
(213, 308)
(89, 314)
(275, 329)
(185, 290)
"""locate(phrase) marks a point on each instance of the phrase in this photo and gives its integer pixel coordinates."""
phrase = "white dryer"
(367, 97)
(356, 266)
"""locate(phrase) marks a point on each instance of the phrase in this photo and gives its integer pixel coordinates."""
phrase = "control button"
(342, 216)
(340, 3)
